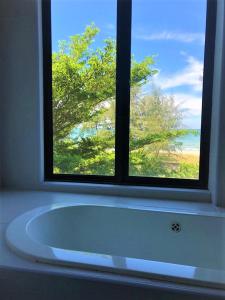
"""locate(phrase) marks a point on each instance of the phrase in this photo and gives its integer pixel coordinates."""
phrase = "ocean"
(190, 141)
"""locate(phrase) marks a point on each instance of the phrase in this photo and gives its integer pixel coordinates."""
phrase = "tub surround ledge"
(15, 203)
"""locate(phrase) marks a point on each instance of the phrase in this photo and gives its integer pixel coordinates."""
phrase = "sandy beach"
(190, 157)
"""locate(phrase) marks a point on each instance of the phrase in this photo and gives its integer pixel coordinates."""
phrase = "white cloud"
(191, 75)
(189, 100)
(190, 103)
(183, 37)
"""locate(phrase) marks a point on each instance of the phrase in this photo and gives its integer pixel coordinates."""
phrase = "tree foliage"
(84, 77)
(84, 88)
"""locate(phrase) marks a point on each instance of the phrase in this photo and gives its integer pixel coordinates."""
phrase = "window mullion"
(207, 90)
(47, 86)
(123, 66)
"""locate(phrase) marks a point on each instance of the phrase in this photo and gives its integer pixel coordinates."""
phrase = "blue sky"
(172, 30)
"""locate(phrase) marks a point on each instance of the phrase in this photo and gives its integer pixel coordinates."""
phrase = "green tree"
(84, 77)
(155, 123)
(84, 88)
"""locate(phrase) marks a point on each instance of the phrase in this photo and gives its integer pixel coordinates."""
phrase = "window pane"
(83, 80)
(168, 38)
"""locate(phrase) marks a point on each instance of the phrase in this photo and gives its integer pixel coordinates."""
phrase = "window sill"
(191, 195)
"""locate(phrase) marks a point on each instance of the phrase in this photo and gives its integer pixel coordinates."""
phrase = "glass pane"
(83, 68)
(168, 38)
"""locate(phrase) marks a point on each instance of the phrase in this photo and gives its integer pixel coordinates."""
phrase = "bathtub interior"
(134, 233)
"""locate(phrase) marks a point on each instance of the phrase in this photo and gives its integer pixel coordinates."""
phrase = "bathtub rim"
(30, 249)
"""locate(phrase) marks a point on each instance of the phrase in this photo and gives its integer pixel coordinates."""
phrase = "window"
(128, 91)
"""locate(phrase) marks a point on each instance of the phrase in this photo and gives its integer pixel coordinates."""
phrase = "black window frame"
(124, 25)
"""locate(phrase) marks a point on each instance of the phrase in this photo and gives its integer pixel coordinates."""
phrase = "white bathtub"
(179, 247)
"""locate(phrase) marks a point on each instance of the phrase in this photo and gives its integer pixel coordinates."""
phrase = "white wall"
(1, 141)
(217, 155)
(19, 89)
(21, 102)
(1, 101)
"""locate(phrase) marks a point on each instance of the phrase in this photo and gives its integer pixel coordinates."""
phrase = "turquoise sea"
(189, 142)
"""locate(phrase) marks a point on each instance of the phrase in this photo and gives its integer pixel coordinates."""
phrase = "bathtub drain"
(176, 227)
